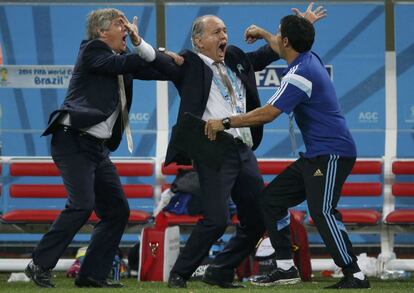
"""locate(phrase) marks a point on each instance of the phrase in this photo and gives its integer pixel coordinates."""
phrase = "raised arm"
(262, 57)
(148, 53)
(165, 64)
(254, 33)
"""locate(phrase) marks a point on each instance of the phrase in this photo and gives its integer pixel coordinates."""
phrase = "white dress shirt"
(217, 107)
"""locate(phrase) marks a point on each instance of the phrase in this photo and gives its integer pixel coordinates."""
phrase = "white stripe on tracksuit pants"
(318, 180)
(327, 209)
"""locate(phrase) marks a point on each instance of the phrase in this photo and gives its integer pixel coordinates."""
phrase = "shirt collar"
(207, 60)
(295, 62)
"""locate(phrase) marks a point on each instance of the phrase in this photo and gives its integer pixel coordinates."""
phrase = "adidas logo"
(318, 173)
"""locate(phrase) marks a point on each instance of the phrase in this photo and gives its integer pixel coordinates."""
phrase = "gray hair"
(100, 20)
(197, 29)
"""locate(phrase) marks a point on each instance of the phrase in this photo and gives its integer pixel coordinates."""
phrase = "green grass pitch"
(64, 284)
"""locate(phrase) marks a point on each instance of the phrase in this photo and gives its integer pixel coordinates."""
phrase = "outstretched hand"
(311, 15)
(132, 30)
(179, 60)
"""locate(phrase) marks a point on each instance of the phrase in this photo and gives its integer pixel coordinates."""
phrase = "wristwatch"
(226, 123)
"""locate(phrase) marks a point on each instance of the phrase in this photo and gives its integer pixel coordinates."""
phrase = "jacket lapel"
(238, 68)
(208, 74)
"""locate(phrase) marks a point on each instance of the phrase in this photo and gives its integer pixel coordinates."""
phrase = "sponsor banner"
(270, 77)
(368, 117)
(139, 117)
(35, 76)
(58, 76)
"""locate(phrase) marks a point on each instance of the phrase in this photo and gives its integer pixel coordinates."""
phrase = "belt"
(76, 132)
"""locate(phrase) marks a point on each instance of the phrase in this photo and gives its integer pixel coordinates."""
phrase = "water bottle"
(116, 269)
(395, 275)
(216, 248)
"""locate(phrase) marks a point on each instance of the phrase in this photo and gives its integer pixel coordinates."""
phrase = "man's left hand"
(212, 127)
(253, 33)
(179, 60)
(311, 15)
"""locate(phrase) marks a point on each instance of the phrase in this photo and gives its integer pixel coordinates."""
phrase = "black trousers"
(93, 184)
(239, 178)
(318, 180)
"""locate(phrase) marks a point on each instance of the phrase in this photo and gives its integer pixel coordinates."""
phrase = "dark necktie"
(124, 113)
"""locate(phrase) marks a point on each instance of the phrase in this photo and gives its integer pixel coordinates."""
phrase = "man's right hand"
(132, 29)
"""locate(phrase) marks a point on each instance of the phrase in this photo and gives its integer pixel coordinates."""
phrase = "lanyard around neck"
(225, 92)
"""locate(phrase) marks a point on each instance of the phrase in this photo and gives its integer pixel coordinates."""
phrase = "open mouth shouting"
(124, 41)
(222, 49)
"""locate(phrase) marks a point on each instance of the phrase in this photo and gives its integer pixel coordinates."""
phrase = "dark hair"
(299, 31)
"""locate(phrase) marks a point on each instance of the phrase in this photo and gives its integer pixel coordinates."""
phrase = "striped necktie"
(226, 81)
(243, 132)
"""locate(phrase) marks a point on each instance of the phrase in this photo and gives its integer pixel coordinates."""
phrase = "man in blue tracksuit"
(307, 94)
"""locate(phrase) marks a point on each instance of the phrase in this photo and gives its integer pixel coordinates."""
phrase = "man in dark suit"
(217, 80)
(204, 94)
(85, 129)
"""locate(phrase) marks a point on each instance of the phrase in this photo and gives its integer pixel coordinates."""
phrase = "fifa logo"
(3, 72)
(271, 76)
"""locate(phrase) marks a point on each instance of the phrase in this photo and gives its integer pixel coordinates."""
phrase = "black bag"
(186, 182)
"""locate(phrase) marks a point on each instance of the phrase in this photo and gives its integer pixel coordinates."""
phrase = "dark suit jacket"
(193, 81)
(93, 92)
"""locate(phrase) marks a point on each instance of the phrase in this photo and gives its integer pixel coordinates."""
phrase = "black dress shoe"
(220, 277)
(350, 282)
(41, 277)
(224, 285)
(176, 281)
(85, 282)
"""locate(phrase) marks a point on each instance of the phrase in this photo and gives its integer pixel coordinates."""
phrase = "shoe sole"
(30, 275)
(86, 286)
(230, 286)
(278, 282)
(209, 282)
(176, 287)
(331, 287)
